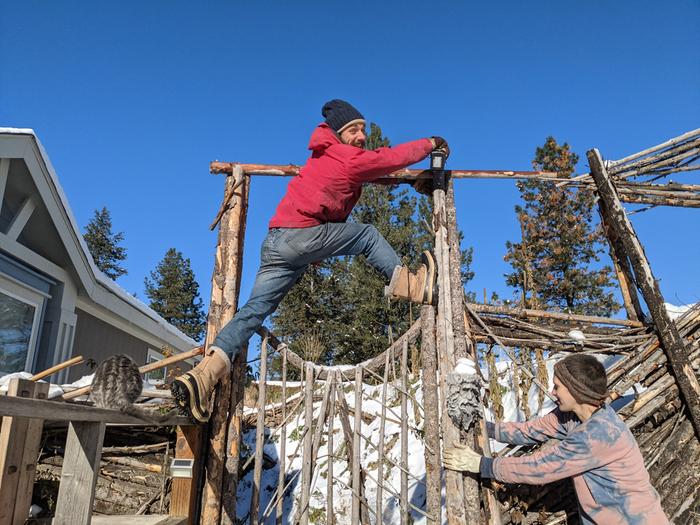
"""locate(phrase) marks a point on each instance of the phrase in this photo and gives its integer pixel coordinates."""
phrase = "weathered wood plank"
(81, 466)
(27, 467)
(12, 452)
(58, 410)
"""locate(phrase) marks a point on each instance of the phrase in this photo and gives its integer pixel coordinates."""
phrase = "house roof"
(99, 288)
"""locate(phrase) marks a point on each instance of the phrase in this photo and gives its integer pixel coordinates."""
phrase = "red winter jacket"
(330, 183)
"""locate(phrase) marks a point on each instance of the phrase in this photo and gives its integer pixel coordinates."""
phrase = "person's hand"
(441, 144)
(461, 457)
(424, 186)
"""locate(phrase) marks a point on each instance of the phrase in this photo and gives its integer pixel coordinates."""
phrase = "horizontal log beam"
(291, 170)
(525, 312)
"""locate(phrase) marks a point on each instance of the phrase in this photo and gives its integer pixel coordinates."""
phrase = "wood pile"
(133, 478)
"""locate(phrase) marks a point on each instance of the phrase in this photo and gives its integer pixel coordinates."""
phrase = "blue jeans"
(285, 254)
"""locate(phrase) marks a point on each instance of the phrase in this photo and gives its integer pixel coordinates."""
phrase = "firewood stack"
(133, 478)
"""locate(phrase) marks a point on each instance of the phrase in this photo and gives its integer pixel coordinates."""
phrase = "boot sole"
(187, 398)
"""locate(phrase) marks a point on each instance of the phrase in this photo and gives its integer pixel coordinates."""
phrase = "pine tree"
(174, 294)
(555, 264)
(342, 300)
(104, 245)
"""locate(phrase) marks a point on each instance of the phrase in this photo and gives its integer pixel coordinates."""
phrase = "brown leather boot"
(192, 390)
(416, 287)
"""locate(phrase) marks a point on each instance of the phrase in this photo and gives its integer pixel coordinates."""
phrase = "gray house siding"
(97, 340)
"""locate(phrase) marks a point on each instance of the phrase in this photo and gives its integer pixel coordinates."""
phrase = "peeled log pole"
(464, 343)
(292, 170)
(671, 340)
(221, 474)
(455, 501)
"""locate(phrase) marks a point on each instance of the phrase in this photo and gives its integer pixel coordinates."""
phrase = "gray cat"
(117, 384)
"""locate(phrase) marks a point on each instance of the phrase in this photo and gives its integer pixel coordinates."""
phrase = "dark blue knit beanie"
(339, 114)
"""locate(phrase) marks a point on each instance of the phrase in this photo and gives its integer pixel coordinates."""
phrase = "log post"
(356, 430)
(221, 474)
(259, 437)
(455, 500)
(379, 504)
(464, 344)
(306, 467)
(431, 425)
(622, 268)
(671, 341)
(330, 517)
(283, 442)
(404, 435)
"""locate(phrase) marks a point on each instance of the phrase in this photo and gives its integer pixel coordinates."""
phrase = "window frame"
(152, 356)
(34, 298)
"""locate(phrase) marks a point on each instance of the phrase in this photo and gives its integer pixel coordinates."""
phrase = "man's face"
(354, 135)
(564, 398)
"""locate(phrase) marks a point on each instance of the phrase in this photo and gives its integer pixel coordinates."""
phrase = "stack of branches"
(678, 155)
(553, 332)
(656, 416)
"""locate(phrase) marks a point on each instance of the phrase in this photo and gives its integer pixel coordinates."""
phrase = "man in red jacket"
(309, 226)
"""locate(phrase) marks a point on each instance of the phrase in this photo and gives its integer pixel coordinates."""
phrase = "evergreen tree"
(342, 300)
(104, 245)
(555, 262)
(174, 294)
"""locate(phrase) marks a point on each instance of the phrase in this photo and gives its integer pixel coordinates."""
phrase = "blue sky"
(132, 100)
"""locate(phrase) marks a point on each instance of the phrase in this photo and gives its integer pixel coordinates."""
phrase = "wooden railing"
(24, 410)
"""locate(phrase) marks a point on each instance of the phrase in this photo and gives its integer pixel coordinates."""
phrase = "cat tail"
(150, 414)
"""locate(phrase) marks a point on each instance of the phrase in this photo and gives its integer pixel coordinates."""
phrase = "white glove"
(462, 458)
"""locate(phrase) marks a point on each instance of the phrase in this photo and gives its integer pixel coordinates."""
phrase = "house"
(54, 302)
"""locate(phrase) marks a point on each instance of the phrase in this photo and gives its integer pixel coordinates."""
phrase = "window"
(155, 377)
(20, 316)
